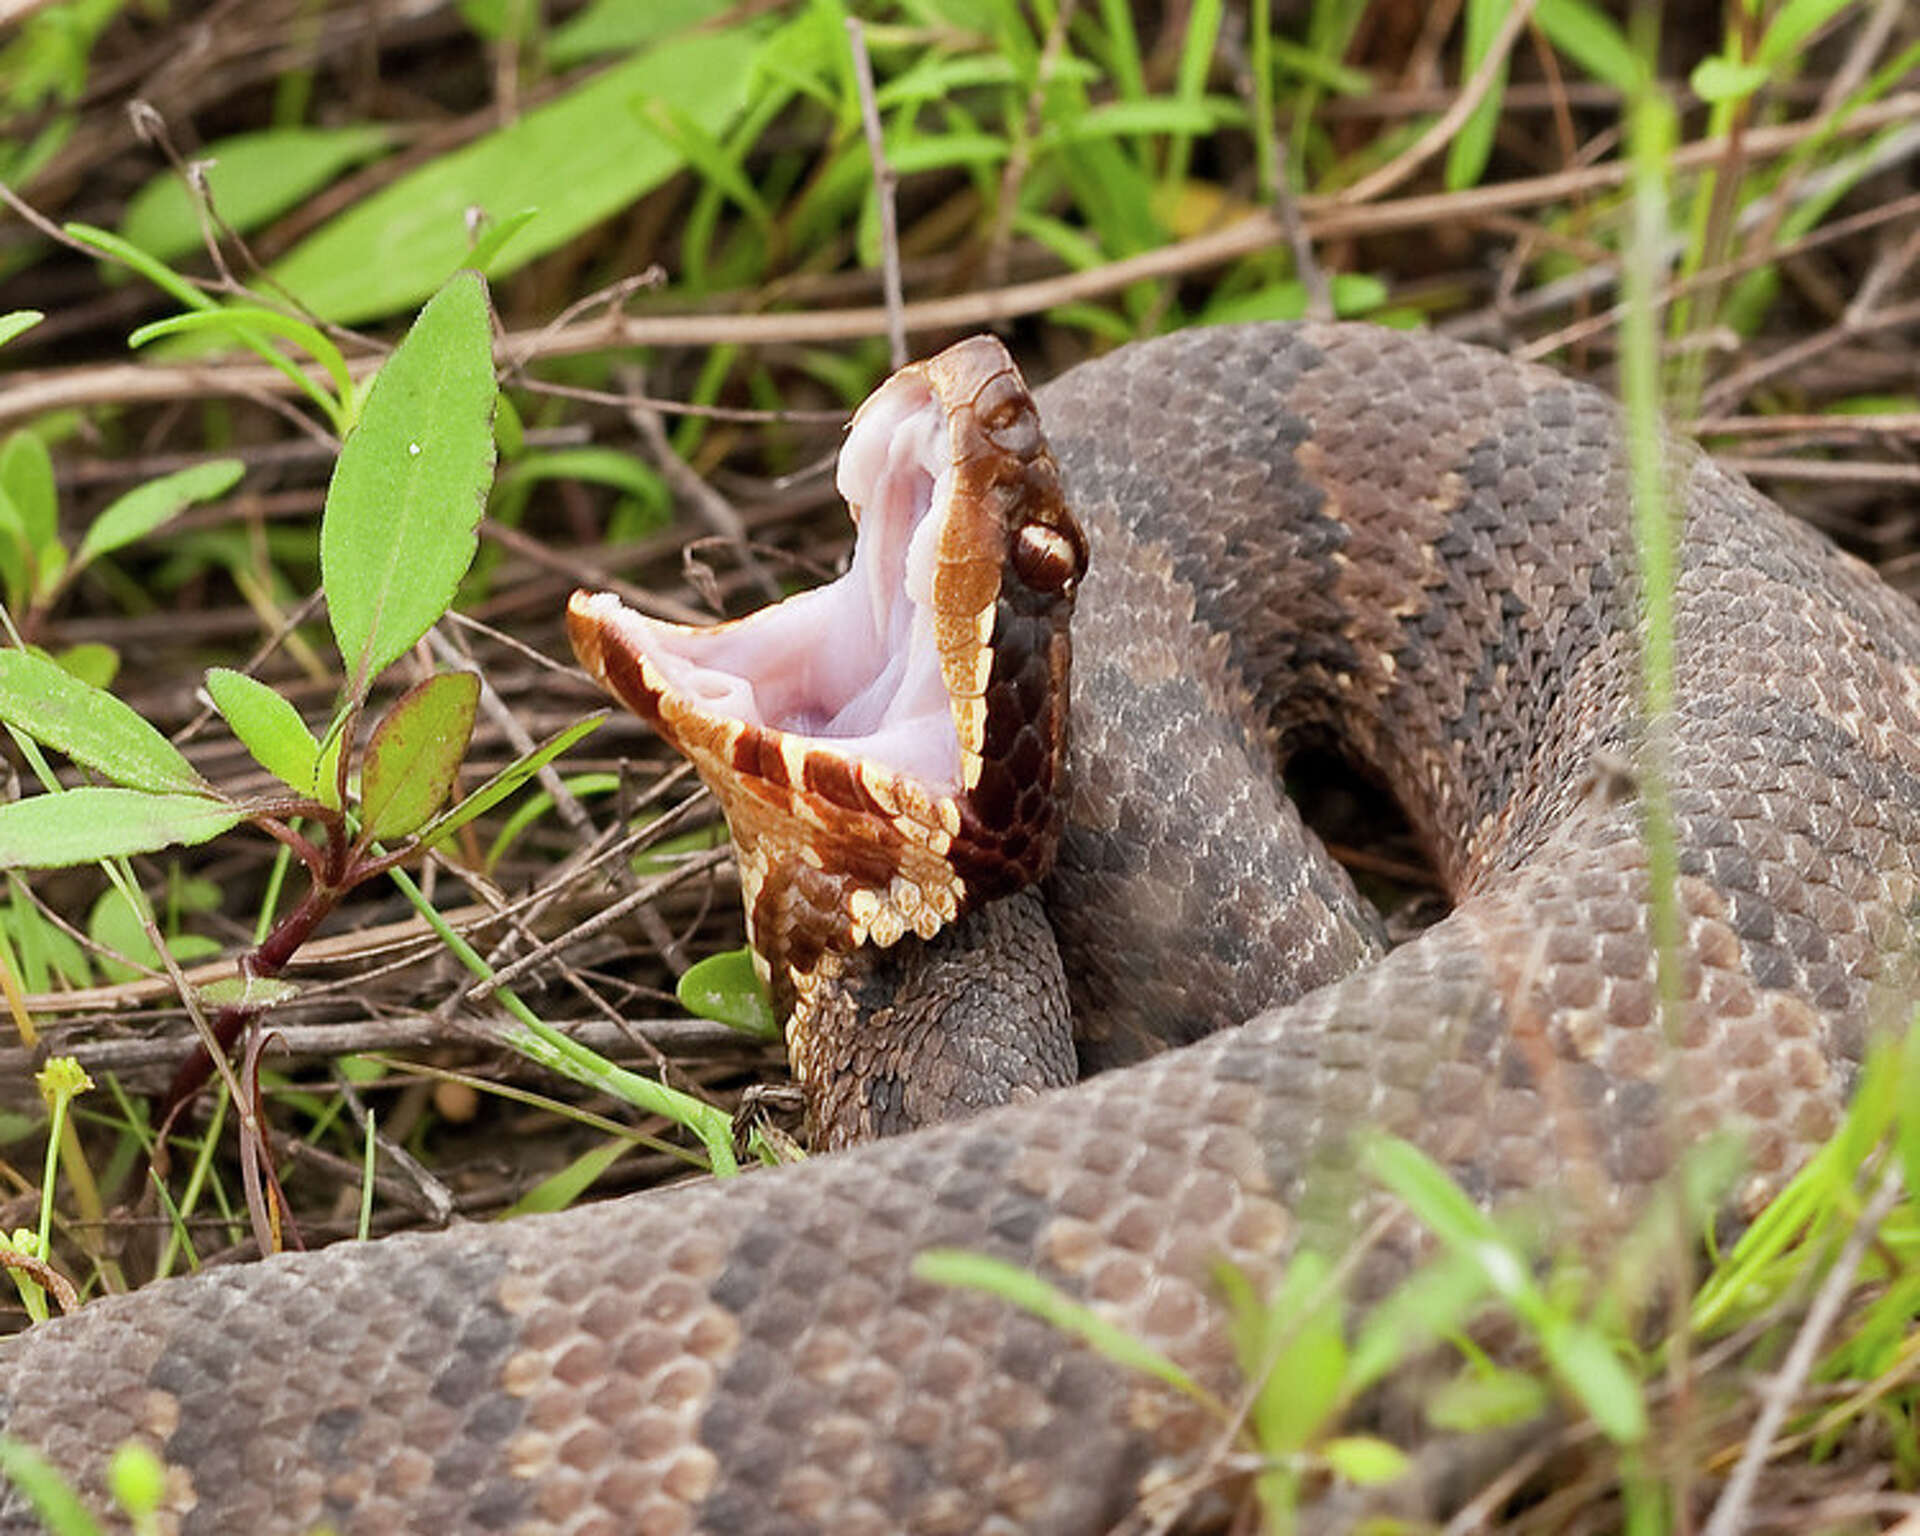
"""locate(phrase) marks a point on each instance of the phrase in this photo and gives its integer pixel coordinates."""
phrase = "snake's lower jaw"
(887, 749)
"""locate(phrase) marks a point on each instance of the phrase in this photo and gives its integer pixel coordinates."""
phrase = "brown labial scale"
(613, 665)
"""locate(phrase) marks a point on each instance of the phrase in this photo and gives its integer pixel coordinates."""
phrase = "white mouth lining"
(853, 666)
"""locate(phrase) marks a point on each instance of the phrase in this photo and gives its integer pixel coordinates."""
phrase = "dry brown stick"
(33, 394)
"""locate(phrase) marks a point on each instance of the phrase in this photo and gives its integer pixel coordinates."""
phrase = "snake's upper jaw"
(887, 748)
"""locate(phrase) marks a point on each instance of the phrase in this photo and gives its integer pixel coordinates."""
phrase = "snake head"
(889, 748)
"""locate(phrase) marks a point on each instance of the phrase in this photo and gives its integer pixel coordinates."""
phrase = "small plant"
(397, 536)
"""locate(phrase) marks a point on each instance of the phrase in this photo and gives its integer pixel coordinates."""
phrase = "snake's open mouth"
(887, 748)
(851, 668)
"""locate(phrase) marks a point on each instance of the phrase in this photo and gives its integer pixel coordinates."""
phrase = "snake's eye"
(1045, 558)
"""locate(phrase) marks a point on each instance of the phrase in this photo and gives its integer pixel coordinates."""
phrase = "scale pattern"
(1416, 548)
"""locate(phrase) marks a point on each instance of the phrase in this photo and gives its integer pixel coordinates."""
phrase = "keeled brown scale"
(758, 1358)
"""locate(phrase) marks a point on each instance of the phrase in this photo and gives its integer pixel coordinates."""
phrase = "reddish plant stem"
(268, 960)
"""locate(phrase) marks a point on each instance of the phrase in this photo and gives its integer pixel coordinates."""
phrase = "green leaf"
(268, 727)
(1296, 1346)
(26, 479)
(1593, 40)
(620, 26)
(116, 925)
(254, 992)
(16, 321)
(93, 663)
(91, 726)
(1153, 115)
(508, 779)
(1720, 79)
(90, 823)
(1365, 1461)
(727, 989)
(580, 159)
(398, 532)
(1589, 1367)
(1467, 155)
(1476, 1401)
(145, 508)
(1793, 24)
(255, 178)
(415, 752)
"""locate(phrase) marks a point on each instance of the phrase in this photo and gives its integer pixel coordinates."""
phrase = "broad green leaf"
(1722, 79)
(1476, 1401)
(258, 992)
(91, 726)
(727, 989)
(143, 509)
(508, 779)
(268, 727)
(398, 532)
(255, 178)
(16, 321)
(93, 663)
(114, 924)
(620, 26)
(26, 479)
(1364, 1460)
(91, 823)
(1154, 115)
(579, 159)
(415, 752)
(932, 152)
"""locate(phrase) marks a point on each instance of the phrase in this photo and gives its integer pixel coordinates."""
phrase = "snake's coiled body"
(1418, 549)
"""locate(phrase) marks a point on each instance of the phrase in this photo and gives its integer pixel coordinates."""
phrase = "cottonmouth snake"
(1418, 547)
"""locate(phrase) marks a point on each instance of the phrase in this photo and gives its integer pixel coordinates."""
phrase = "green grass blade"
(142, 510)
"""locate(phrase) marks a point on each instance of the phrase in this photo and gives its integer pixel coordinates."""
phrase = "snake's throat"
(887, 748)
